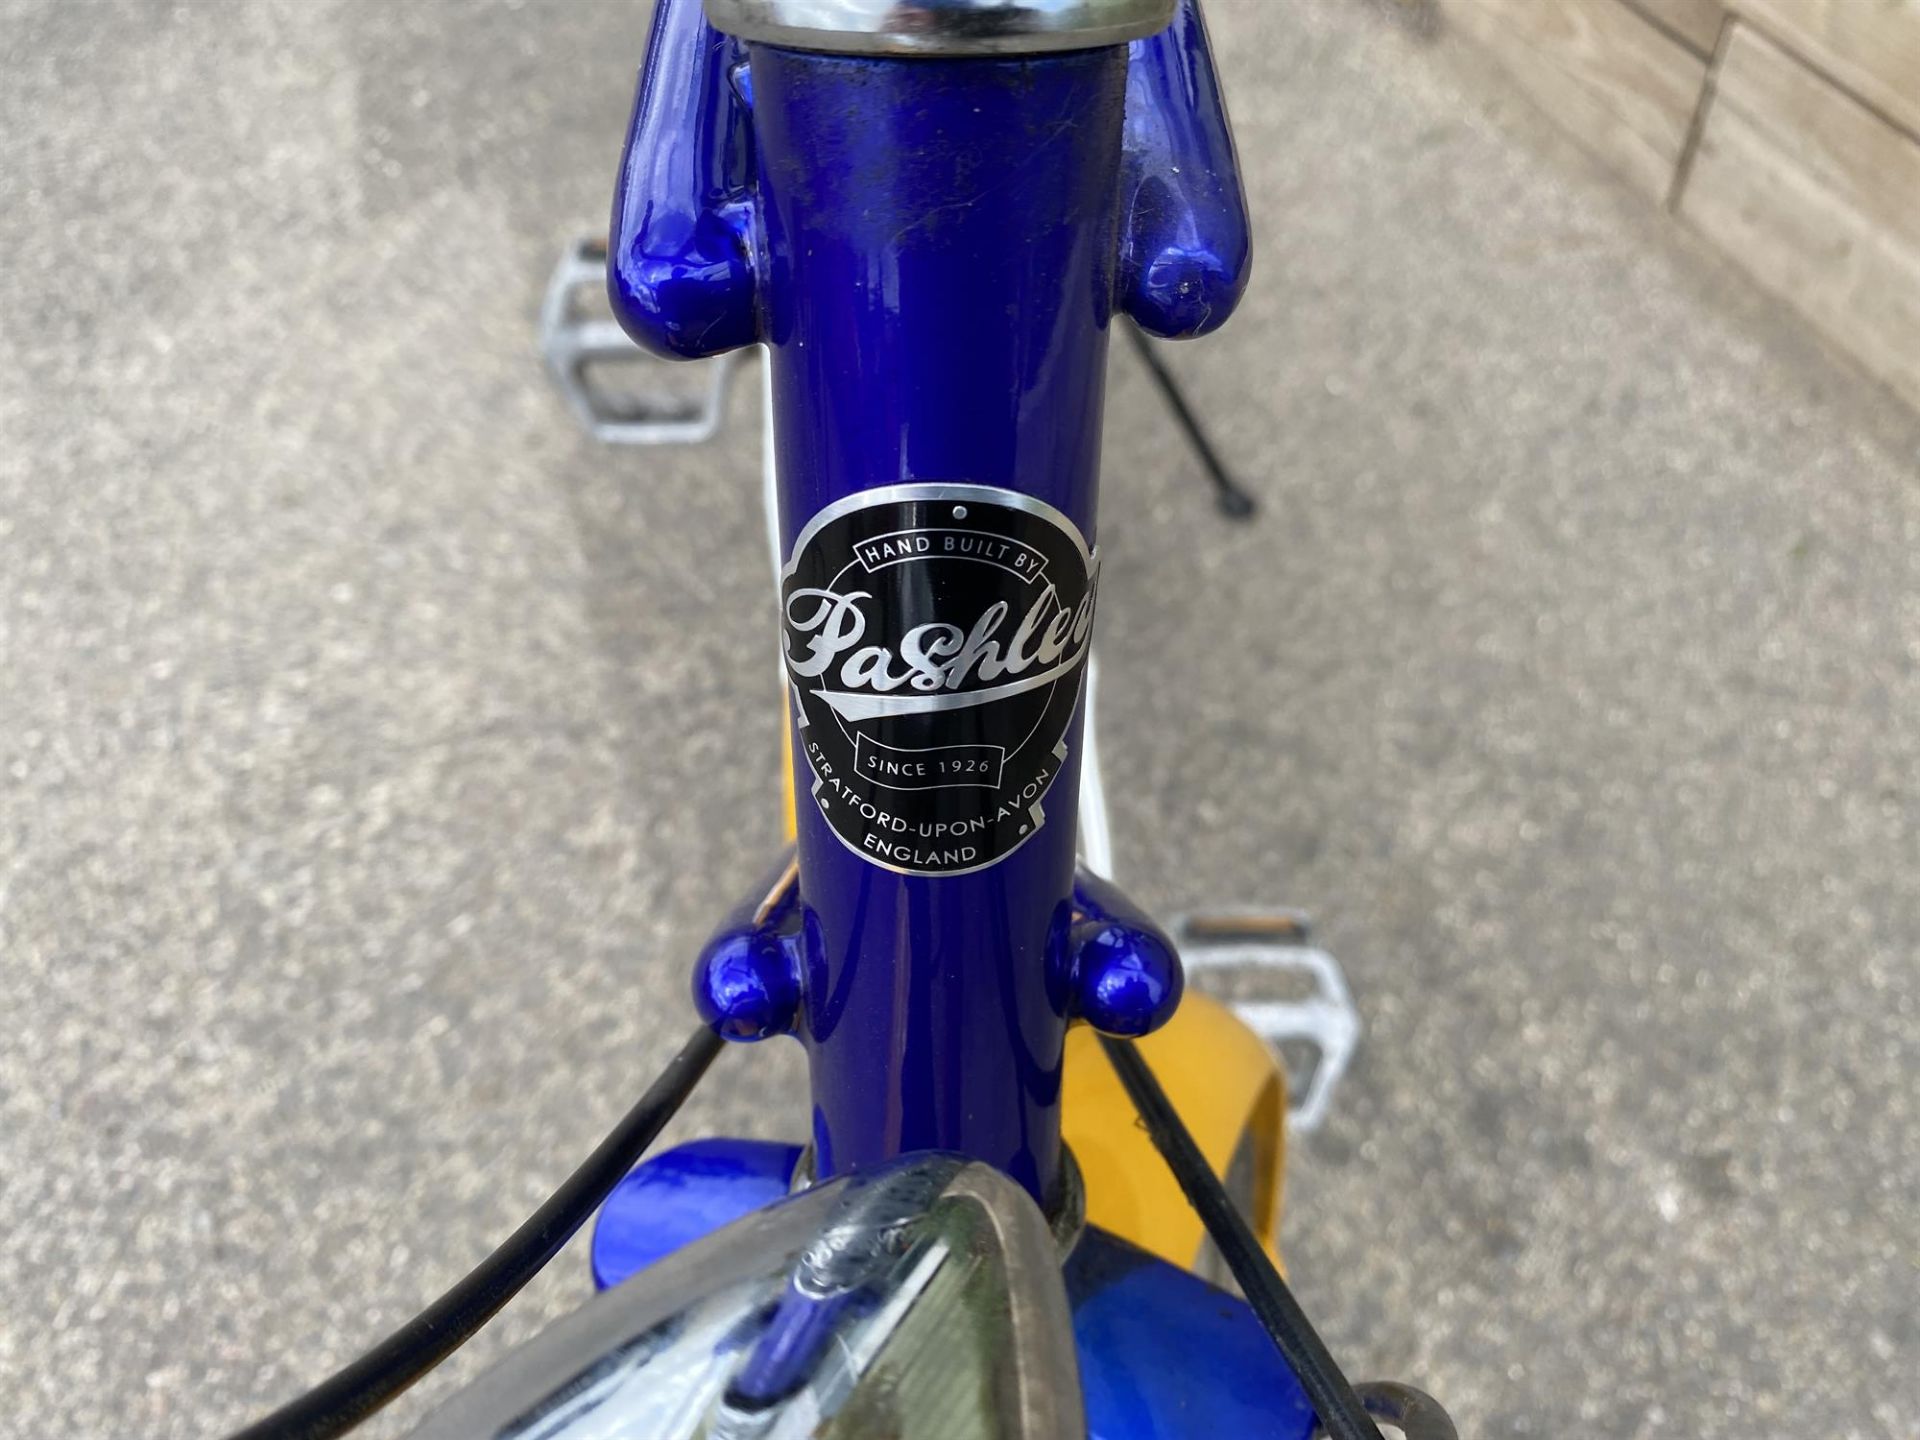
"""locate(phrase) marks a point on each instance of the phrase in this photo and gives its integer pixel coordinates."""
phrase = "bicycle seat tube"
(930, 213)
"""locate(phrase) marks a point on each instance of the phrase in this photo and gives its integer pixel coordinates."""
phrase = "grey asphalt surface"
(374, 749)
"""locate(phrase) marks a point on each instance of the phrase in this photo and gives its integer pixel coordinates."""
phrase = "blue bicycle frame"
(931, 213)
(933, 252)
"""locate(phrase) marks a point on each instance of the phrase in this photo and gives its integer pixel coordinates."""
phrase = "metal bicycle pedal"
(1250, 954)
(583, 345)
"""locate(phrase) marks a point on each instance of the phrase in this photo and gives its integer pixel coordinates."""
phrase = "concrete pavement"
(374, 749)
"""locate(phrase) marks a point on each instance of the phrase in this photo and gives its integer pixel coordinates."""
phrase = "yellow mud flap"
(1230, 1090)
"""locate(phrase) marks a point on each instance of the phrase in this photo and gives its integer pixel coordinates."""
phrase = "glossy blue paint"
(942, 241)
(788, 1352)
(1123, 972)
(745, 987)
(680, 273)
(746, 981)
(1186, 244)
(1166, 1356)
(674, 1198)
(1126, 981)
(1163, 1355)
(933, 251)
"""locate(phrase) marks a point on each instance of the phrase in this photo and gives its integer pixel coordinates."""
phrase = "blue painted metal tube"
(942, 241)
(1186, 247)
(933, 251)
(680, 271)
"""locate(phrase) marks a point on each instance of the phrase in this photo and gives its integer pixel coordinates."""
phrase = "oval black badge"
(935, 638)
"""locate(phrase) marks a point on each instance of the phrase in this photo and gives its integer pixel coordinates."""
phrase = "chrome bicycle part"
(1096, 826)
(1066, 1213)
(921, 1299)
(1270, 950)
(579, 343)
(940, 27)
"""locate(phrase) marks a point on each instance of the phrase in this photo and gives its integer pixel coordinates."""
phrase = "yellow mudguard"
(1230, 1090)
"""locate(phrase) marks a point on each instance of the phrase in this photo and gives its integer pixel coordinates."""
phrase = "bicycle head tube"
(930, 213)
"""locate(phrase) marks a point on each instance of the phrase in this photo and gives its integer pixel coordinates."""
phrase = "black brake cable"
(1341, 1413)
(362, 1386)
